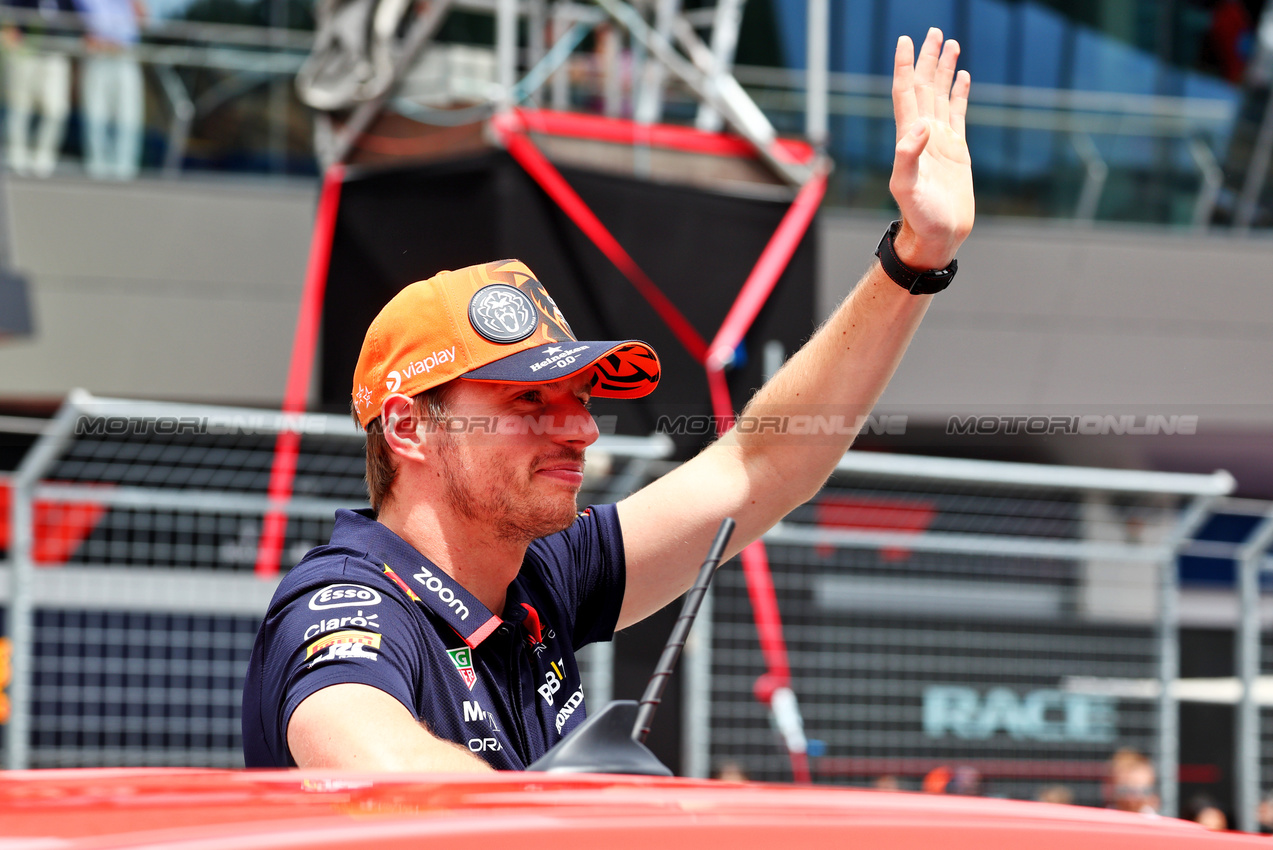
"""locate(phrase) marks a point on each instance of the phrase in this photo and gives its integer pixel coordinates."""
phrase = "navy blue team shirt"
(368, 608)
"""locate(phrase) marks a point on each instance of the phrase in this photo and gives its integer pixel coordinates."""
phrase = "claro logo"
(343, 596)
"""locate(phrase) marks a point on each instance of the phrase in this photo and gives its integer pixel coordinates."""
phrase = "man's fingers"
(906, 157)
(945, 79)
(959, 101)
(925, 71)
(904, 109)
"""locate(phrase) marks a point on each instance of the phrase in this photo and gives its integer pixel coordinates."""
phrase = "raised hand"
(932, 172)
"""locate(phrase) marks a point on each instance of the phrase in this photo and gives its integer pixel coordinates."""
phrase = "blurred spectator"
(1230, 40)
(1264, 813)
(731, 771)
(936, 780)
(1061, 794)
(887, 783)
(1131, 783)
(1202, 809)
(36, 77)
(111, 88)
(963, 780)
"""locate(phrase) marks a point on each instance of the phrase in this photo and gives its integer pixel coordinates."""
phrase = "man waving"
(438, 631)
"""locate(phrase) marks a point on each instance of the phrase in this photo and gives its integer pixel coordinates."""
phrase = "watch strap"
(915, 282)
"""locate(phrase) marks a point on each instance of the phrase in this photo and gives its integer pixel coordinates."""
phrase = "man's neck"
(483, 563)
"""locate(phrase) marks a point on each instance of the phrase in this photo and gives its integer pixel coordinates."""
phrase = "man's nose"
(575, 425)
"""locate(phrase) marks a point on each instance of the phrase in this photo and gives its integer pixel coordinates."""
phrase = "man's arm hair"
(357, 727)
(758, 475)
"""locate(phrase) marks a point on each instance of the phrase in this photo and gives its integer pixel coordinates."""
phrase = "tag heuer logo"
(463, 662)
(502, 313)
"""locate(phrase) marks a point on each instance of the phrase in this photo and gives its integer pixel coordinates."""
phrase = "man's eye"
(531, 396)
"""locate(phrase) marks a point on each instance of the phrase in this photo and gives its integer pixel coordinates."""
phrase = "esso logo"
(343, 596)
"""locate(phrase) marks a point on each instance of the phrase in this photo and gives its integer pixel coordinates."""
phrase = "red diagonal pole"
(287, 446)
(555, 186)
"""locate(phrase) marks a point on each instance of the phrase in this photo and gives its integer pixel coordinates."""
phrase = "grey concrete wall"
(1048, 315)
(189, 290)
(158, 289)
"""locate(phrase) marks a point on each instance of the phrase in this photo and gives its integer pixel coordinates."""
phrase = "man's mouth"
(566, 471)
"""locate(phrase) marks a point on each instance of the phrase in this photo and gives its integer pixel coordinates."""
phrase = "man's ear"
(401, 428)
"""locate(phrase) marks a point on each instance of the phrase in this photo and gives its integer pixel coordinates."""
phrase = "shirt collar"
(416, 576)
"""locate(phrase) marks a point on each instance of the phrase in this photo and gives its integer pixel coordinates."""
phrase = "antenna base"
(603, 744)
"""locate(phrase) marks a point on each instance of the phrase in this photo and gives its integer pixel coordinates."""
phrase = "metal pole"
(1169, 655)
(18, 731)
(278, 92)
(183, 112)
(602, 675)
(1246, 755)
(560, 86)
(1212, 183)
(21, 600)
(1168, 672)
(725, 24)
(506, 48)
(696, 726)
(1095, 174)
(536, 24)
(610, 48)
(816, 72)
(1257, 170)
(649, 103)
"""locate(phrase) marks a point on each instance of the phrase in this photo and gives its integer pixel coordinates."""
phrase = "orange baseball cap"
(493, 322)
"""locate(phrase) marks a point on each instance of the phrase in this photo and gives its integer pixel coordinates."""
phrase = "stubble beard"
(509, 518)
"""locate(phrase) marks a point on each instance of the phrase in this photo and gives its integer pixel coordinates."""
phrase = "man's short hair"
(382, 467)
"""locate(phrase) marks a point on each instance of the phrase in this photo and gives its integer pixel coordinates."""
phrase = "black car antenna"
(680, 632)
(613, 740)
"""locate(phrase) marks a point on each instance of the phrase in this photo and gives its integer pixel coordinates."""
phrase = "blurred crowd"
(39, 84)
(1130, 785)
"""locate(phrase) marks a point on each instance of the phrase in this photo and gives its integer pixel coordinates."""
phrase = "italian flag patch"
(463, 662)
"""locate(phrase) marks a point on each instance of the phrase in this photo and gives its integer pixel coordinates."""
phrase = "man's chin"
(553, 516)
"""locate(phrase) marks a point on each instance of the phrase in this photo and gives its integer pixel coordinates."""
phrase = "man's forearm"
(840, 374)
(356, 727)
(760, 470)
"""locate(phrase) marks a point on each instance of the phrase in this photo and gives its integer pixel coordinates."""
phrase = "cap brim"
(624, 368)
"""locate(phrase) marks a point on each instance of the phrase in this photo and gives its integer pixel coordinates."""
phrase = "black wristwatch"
(916, 283)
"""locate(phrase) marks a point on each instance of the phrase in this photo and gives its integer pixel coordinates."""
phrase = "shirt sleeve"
(584, 571)
(348, 625)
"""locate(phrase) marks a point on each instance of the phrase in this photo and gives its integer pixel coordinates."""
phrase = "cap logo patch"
(502, 313)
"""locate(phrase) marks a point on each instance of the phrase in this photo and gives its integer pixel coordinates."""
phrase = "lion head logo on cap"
(502, 313)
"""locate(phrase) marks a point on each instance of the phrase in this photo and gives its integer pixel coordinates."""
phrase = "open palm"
(932, 171)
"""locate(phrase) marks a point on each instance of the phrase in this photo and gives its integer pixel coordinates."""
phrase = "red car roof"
(188, 809)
